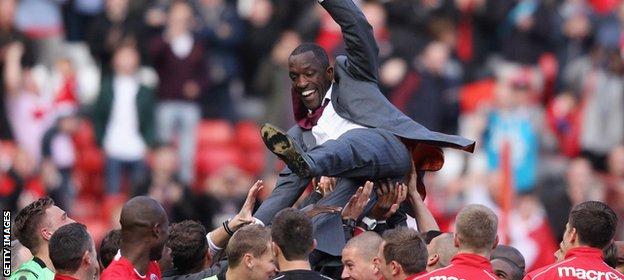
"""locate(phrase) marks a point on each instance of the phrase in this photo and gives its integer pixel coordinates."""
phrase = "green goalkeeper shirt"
(33, 269)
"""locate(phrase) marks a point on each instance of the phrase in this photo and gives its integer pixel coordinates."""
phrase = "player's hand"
(244, 216)
(325, 185)
(389, 197)
(358, 201)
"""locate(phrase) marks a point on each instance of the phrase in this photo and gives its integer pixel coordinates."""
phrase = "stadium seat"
(248, 136)
(214, 133)
(209, 160)
(253, 161)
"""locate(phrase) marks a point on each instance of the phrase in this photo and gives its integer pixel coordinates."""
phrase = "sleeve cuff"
(258, 222)
(214, 249)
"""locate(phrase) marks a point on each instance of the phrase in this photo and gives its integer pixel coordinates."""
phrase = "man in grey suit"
(345, 128)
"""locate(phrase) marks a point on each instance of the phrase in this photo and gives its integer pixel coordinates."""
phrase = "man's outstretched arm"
(362, 50)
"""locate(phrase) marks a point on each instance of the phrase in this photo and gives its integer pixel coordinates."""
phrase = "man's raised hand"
(358, 201)
(389, 198)
(245, 216)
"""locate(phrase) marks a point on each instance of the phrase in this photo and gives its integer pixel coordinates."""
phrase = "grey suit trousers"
(356, 156)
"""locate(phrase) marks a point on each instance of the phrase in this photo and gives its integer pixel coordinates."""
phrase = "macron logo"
(583, 274)
(445, 278)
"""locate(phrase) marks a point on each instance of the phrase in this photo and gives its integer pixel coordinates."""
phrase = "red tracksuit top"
(463, 267)
(579, 263)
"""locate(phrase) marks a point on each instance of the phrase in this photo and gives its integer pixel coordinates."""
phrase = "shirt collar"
(64, 277)
(414, 276)
(327, 96)
(584, 251)
(473, 260)
(329, 92)
(39, 261)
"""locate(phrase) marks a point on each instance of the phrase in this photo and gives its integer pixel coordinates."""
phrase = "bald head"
(476, 227)
(366, 244)
(507, 263)
(144, 226)
(141, 212)
(441, 251)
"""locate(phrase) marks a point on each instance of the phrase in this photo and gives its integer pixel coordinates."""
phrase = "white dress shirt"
(123, 140)
(182, 45)
(331, 125)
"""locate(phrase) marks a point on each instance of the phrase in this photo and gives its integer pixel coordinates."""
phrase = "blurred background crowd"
(106, 99)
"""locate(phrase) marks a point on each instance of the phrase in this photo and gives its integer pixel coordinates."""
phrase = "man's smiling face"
(310, 79)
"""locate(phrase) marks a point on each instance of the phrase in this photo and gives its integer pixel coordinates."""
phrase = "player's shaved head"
(510, 253)
(367, 244)
(507, 262)
(140, 212)
(144, 221)
(441, 250)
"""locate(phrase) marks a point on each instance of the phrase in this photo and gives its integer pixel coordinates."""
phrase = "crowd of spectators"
(537, 83)
(147, 245)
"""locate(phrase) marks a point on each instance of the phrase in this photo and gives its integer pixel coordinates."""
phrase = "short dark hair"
(509, 253)
(594, 222)
(319, 53)
(292, 231)
(517, 272)
(28, 221)
(610, 255)
(188, 244)
(67, 246)
(404, 246)
(251, 239)
(109, 247)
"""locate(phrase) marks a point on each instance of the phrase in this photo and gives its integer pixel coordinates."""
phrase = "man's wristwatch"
(371, 224)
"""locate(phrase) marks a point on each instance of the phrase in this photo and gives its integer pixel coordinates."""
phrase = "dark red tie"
(306, 119)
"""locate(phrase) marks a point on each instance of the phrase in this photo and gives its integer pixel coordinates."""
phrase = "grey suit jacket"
(356, 95)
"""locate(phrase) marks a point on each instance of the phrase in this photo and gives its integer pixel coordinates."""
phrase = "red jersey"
(63, 277)
(463, 267)
(579, 263)
(122, 268)
(414, 276)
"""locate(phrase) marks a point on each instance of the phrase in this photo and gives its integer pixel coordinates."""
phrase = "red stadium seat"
(209, 160)
(253, 162)
(214, 133)
(98, 228)
(248, 136)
